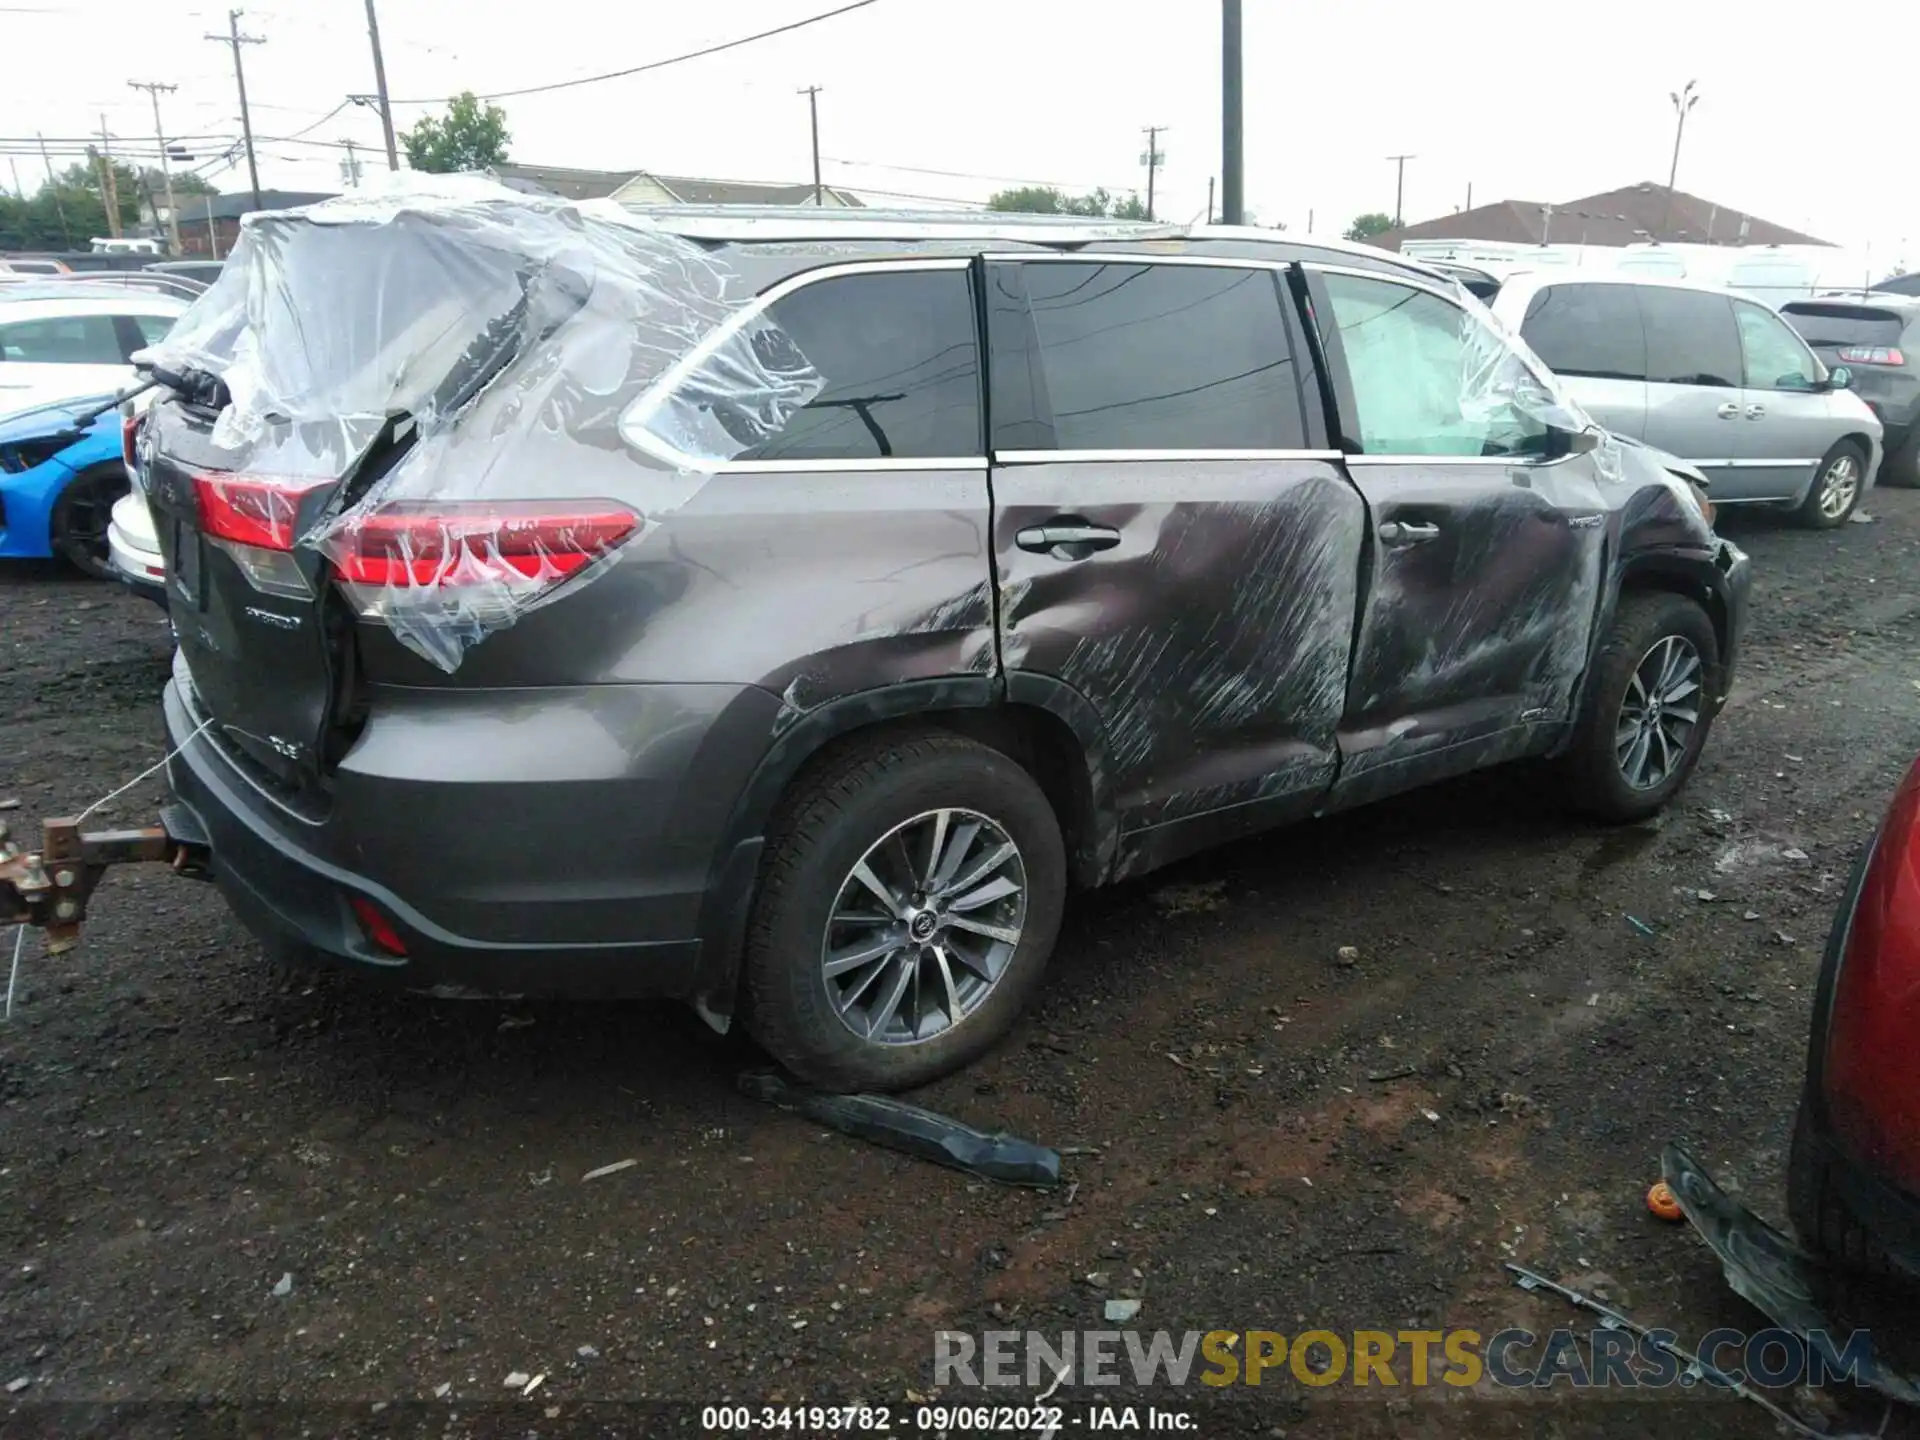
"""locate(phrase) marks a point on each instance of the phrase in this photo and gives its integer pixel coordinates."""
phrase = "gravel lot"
(185, 1125)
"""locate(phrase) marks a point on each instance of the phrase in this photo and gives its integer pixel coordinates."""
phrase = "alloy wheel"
(1659, 713)
(1839, 485)
(86, 513)
(924, 926)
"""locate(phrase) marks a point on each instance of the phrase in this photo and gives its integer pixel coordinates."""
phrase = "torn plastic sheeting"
(924, 1134)
(463, 357)
(1770, 1272)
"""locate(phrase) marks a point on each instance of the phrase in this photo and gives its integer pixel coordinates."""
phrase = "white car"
(54, 347)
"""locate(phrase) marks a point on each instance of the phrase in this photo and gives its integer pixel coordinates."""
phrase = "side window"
(153, 328)
(900, 362)
(1691, 338)
(1164, 357)
(62, 340)
(1775, 358)
(1428, 378)
(1590, 330)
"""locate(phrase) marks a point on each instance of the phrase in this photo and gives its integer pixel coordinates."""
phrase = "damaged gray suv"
(781, 610)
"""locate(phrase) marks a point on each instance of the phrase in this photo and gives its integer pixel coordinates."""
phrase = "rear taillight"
(255, 520)
(129, 432)
(1872, 355)
(1870, 1082)
(478, 543)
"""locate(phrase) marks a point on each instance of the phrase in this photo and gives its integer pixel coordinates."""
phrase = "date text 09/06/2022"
(1036, 1419)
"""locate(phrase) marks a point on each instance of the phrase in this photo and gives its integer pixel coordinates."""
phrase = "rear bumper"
(486, 896)
(1730, 562)
(140, 570)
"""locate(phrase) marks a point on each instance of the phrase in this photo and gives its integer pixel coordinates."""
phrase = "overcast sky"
(1538, 102)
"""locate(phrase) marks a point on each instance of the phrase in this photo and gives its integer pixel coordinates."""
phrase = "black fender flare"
(735, 869)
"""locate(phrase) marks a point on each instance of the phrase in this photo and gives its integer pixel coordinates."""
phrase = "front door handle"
(1756, 412)
(1405, 532)
(1067, 540)
(1728, 411)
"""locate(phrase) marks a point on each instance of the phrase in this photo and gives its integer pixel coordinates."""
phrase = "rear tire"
(823, 1012)
(1901, 469)
(1837, 487)
(1659, 642)
(81, 516)
(1824, 1224)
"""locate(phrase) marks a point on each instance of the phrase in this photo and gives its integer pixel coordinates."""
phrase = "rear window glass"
(62, 340)
(1844, 324)
(1164, 357)
(1691, 339)
(901, 365)
(1591, 330)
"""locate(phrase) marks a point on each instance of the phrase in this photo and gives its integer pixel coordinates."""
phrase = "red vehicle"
(1853, 1177)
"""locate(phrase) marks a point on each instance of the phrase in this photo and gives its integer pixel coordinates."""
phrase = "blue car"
(59, 479)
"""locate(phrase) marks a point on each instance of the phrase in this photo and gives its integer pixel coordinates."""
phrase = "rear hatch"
(304, 379)
(1863, 337)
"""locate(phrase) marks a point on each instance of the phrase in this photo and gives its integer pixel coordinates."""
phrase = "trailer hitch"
(50, 887)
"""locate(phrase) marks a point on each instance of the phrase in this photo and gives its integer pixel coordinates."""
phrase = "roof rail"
(770, 223)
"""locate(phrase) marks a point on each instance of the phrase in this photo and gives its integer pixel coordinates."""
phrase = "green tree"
(1051, 200)
(472, 136)
(1365, 227)
(67, 211)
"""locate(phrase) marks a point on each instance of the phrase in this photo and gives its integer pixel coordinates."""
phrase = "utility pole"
(54, 185)
(380, 86)
(1469, 194)
(18, 189)
(213, 235)
(1152, 158)
(1232, 156)
(812, 92)
(1210, 199)
(1683, 101)
(153, 89)
(350, 167)
(110, 190)
(1399, 184)
(234, 38)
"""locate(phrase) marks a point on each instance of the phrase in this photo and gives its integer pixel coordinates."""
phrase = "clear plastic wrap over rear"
(428, 343)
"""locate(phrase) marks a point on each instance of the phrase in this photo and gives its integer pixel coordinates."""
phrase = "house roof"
(1625, 216)
(559, 180)
(685, 189)
(232, 207)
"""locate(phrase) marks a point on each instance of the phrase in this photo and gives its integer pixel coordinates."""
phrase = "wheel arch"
(1042, 723)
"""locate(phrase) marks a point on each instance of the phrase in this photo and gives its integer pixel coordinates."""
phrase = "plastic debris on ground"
(1795, 1290)
(925, 1134)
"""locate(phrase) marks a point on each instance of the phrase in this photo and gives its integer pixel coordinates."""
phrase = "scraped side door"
(1174, 540)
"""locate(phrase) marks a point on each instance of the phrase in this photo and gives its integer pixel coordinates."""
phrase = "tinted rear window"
(901, 364)
(1164, 357)
(1691, 338)
(1835, 325)
(1590, 330)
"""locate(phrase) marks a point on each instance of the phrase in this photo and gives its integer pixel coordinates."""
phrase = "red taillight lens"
(129, 432)
(478, 542)
(1872, 355)
(380, 930)
(1871, 1084)
(249, 510)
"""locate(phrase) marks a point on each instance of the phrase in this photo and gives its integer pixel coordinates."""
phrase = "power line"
(308, 129)
(653, 64)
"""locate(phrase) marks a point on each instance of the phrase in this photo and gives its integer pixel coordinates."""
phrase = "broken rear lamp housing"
(1870, 1085)
(253, 519)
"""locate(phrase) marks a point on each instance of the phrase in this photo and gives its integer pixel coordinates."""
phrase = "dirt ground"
(1284, 1141)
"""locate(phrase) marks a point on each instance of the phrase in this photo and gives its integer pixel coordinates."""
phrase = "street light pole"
(1683, 101)
(1233, 209)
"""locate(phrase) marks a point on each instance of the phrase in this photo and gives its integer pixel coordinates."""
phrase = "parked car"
(59, 339)
(1876, 338)
(1853, 1172)
(32, 265)
(60, 477)
(201, 272)
(1711, 376)
(1247, 531)
(133, 549)
(1899, 285)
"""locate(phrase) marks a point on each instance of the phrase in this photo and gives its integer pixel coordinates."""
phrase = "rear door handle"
(1728, 411)
(1052, 539)
(1756, 412)
(1402, 532)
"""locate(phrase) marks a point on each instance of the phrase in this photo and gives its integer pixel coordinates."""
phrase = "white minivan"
(1707, 374)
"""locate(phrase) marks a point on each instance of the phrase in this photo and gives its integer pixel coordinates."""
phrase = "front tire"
(908, 904)
(1837, 487)
(81, 516)
(1648, 708)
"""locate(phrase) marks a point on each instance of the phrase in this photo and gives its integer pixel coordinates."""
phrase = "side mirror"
(1584, 442)
(1840, 378)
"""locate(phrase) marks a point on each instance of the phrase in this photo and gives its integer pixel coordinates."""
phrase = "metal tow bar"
(50, 887)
